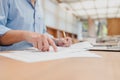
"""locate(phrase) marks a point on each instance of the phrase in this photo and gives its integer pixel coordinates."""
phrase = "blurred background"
(81, 19)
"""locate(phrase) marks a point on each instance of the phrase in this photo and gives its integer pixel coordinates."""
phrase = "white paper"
(33, 55)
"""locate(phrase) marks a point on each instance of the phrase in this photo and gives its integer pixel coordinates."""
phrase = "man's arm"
(40, 41)
(11, 37)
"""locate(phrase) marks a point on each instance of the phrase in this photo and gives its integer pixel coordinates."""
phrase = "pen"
(64, 34)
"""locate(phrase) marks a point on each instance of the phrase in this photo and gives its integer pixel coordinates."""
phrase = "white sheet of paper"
(33, 55)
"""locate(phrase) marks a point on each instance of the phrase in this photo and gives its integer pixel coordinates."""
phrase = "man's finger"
(45, 45)
(51, 42)
(35, 44)
(69, 40)
(39, 44)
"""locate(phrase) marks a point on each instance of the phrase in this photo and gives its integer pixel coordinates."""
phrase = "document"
(33, 55)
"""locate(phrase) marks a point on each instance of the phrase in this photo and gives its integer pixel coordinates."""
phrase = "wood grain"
(105, 68)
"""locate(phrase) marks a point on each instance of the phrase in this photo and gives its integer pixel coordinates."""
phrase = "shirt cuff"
(3, 30)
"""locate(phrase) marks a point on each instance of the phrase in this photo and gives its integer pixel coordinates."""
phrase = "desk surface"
(106, 68)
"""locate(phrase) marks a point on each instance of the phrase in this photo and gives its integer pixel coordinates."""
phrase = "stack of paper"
(33, 55)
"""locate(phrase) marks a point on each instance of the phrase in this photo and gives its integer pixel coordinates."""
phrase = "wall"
(58, 18)
(80, 35)
(113, 26)
(91, 28)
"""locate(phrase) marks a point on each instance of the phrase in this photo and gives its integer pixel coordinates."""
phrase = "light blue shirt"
(20, 15)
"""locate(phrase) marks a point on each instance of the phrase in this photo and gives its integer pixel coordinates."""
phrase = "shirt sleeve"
(4, 8)
(45, 32)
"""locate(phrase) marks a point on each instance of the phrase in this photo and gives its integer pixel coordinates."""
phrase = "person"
(22, 26)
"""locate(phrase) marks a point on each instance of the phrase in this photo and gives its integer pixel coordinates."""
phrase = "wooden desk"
(106, 68)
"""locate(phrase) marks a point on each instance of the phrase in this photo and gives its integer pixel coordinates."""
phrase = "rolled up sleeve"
(3, 30)
(4, 8)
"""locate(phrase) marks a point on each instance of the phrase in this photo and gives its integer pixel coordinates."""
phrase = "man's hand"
(40, 41)
(64, 42)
